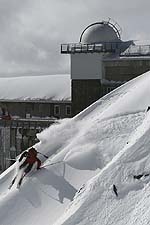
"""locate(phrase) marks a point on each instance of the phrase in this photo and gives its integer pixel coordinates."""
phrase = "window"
(28, 107)
(68, 110)
(28, 115)
(109, 89)
(56, 110)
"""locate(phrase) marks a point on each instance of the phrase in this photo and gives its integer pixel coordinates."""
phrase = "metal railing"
(72, 48)
(106, 47)
(137, 50)
(17, 135)
(27, 122)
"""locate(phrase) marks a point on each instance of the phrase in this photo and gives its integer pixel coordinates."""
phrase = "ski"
(25, 175)
(51, 164)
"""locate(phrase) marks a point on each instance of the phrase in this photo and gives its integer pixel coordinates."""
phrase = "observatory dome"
(100, 32)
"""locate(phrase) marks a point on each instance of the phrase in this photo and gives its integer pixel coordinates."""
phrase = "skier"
(30, 158)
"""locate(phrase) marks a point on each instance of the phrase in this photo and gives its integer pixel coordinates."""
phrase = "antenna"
(115, 26)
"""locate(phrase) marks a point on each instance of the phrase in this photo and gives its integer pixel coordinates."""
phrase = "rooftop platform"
(106, 47)
(73, 48)
(137, 50)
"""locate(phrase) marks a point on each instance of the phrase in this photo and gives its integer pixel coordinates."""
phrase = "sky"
(32, 31)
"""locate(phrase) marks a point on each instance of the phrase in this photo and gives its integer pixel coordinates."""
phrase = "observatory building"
(101, 61)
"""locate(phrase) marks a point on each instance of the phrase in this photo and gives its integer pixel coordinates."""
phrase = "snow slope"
(97, 204)
(94, 155)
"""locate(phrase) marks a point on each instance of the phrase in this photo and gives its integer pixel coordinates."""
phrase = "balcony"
(137, 50)
(87, 48)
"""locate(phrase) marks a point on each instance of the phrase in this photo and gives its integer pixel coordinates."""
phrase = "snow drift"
(104, 145)
(97, 204)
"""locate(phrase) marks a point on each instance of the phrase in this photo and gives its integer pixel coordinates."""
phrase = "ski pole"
(52, 164)
(43, 155)
(10, 159)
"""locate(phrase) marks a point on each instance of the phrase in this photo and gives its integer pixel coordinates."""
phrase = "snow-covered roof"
(45, 87)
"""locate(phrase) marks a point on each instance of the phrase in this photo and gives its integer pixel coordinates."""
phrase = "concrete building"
(27, 106)
(101, 61)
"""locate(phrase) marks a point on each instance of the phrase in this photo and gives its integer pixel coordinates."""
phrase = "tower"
(97, 41)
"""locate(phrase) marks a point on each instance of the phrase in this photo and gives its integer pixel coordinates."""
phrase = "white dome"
(98, 33)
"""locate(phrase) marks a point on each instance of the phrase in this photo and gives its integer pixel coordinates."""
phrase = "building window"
(28, 115)
(109, 89)
(56, 110)
(68, 110)
(40, 110)
(28, 107)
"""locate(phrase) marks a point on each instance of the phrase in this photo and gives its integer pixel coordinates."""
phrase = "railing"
(137, 50)
(88, 48)
(106, 47)
(27, 123)
(17, 135)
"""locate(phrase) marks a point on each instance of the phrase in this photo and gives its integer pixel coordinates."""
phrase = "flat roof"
(44, 88)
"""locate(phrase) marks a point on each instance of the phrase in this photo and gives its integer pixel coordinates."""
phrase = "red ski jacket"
(31, 157)
(32, 160)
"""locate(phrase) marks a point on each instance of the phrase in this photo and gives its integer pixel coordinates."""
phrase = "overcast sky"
(31, 31)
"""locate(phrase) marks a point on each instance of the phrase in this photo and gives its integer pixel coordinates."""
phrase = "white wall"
(86, 66)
